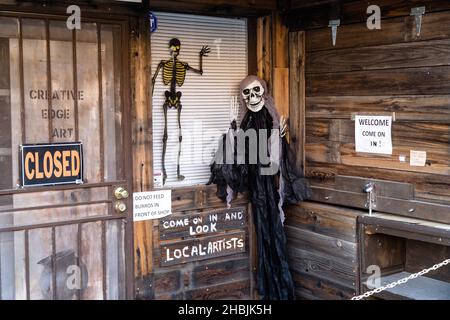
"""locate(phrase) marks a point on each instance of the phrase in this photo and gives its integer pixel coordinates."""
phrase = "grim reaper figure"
(269, 177)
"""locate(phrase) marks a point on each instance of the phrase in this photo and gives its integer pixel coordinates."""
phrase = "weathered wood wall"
(383, 72)
(368, 72)
(313, 14)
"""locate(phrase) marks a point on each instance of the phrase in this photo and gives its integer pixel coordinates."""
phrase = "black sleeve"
(223, 174)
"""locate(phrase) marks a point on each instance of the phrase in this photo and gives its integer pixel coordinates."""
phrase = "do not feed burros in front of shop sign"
(373, 134)
(152, 205)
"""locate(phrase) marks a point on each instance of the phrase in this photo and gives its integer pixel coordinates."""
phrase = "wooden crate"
(400, 246)
(323, 250)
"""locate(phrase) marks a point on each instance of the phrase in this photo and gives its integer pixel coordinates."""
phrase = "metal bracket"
(418, 13)
(354, 114)
(371, 197)
(334, 24)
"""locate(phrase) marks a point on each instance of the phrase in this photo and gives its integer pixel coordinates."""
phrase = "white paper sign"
(418, 158)
(373, 134)
(152, 205)
(158, 180)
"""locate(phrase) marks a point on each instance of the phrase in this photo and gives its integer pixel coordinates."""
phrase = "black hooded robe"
(274, 280)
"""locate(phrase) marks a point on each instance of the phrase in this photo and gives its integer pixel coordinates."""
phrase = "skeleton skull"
(174, 47)
(254, 96)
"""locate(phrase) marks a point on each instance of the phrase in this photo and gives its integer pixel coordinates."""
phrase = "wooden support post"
(142, 139)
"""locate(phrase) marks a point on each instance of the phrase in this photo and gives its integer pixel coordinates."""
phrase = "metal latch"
(371, 199)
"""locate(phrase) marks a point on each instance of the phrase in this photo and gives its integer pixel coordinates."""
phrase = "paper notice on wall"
(152, 205)
(158, 180)
(418, 158)
(373, 134)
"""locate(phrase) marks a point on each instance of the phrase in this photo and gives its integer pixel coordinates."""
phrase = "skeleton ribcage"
(168, 72)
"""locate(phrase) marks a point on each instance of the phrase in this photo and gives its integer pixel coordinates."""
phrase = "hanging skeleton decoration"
(268, 193)
(174, 73)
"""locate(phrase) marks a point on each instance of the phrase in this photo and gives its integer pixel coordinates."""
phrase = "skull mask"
(254, 96)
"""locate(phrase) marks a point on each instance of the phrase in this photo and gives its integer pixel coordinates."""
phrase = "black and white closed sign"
(51, 164)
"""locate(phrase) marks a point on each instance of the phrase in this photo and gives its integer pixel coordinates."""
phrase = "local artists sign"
(373, 134)
(202, 248)
(205, 223)
(51, 164)
(206, 231)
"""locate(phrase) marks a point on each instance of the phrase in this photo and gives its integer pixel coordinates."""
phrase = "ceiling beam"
(300, 4)
(247, 8)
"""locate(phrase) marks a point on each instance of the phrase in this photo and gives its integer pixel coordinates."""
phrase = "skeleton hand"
(204, 52)
(234, 108)
(283, 126)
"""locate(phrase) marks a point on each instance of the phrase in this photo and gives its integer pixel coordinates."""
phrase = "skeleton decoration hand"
(234, 109)
(253, 96)
(283, 126)
(204, 52)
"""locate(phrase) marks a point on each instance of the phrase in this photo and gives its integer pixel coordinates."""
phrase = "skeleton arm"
(203, 53)
(158, 69)
(283, 126)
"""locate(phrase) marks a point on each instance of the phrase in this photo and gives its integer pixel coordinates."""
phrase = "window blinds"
(206, 99)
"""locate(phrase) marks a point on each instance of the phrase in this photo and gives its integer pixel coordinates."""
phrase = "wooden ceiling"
(247, 8)
(304, 14)
(299, 4)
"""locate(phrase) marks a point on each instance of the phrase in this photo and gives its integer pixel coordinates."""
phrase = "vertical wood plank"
(280, 42)
(253, 253)
(142, 140)
(281, 90)
(75, 83)
(100, 102)
(259, 46)
(22, 85)
(264, 49)
(49, 81)
(88, 112)
(252, 45)
(297, 95)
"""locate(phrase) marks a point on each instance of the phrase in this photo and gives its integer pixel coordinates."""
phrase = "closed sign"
(51, 164)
